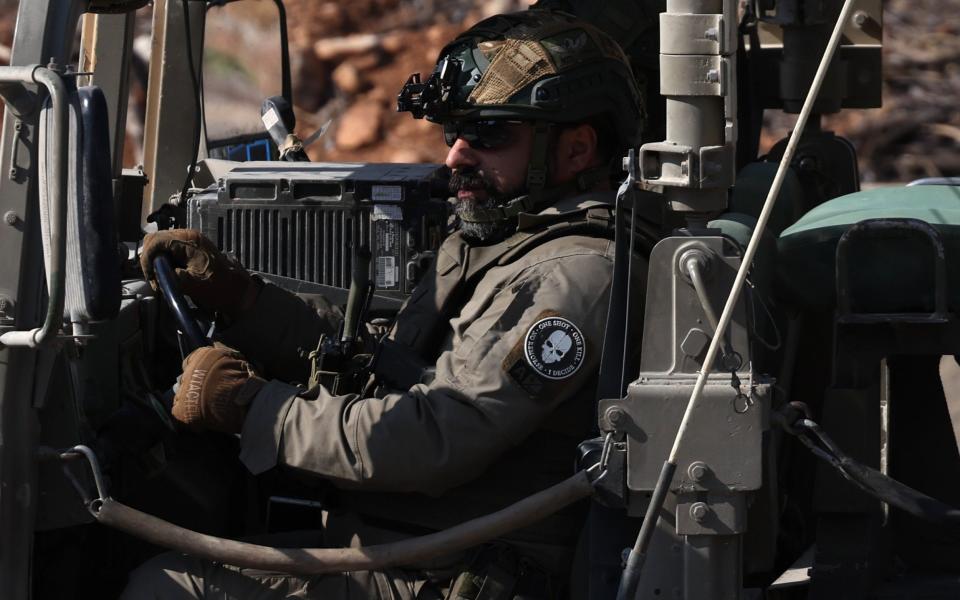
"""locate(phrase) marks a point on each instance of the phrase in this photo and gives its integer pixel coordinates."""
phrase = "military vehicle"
(789, 441)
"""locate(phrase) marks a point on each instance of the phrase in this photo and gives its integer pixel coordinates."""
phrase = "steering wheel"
(193, 336)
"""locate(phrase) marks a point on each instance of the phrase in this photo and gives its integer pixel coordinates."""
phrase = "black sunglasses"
(489, 134)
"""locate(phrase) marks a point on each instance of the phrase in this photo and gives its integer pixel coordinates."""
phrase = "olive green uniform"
(490, 426)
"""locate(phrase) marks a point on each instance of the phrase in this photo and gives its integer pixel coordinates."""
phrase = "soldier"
(485, 382)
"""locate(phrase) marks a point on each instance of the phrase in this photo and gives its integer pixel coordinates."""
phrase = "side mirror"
(241, 66)
(279, 120)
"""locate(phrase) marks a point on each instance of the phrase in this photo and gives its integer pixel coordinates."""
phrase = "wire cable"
(316, 561)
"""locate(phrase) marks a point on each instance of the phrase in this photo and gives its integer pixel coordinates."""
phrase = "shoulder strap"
(596, 222)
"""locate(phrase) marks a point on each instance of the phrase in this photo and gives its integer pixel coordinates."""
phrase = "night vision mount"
(430, 99)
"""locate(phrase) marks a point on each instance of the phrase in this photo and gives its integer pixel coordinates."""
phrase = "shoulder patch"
(554, 347)
(552, 350)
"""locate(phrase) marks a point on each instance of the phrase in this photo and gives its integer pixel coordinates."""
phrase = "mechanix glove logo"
(554, 348)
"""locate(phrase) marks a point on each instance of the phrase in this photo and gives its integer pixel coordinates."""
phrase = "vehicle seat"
(891, 273)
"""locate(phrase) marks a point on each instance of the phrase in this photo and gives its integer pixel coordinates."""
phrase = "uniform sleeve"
(281, 330)
(486, 397)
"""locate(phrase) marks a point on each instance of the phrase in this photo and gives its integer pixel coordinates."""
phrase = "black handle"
(356, 299)
(166, 278)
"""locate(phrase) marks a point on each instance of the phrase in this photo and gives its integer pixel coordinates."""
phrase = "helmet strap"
(539, 161)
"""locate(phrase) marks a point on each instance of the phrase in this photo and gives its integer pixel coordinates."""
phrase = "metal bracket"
(14, 172)
(715, 514)
(679, 166)
(93, 504)
(692, 34)
(694, 75)
(655, 405)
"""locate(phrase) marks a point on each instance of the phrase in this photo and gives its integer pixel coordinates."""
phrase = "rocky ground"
(350, 58)
(915, 134)
(362, 53)
(917, 131)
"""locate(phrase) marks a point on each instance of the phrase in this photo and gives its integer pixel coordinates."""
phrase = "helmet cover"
(534, 65)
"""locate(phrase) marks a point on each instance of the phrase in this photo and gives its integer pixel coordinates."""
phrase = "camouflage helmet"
(533, 65)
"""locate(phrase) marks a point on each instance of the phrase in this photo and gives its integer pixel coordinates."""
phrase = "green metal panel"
(935, 204)
(896, 272)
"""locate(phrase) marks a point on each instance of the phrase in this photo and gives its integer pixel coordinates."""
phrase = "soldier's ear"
(576, 150)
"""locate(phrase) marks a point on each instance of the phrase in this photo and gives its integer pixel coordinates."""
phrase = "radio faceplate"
(299, 224)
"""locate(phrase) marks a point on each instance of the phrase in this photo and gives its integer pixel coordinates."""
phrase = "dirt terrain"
(915, 134)
(350, 58)
(362, 53)
(917, 131)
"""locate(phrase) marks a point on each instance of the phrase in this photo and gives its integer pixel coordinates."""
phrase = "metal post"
(170, 116)
(700, 511)
(57, 173)
(106, 48)
(695, 164)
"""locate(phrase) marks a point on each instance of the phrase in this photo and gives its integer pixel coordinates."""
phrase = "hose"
(869, 480)
(318, 561)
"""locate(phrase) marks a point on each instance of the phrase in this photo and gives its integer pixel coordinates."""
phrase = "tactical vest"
(407, 354)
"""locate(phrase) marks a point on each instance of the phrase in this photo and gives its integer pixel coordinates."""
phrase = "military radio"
(300, 225)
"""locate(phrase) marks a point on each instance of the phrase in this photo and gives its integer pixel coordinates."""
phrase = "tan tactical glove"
(216, 389)
(213, 281)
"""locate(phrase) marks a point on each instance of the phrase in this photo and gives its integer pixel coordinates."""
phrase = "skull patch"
(554, 347)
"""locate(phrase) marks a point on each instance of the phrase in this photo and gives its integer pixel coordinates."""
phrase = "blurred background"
(350, 58)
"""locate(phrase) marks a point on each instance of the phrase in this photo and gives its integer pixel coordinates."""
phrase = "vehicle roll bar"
(57, 172)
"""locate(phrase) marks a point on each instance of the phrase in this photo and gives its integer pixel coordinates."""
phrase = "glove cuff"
(227, 411)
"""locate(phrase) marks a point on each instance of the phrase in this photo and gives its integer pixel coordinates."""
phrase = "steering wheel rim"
(193, 336)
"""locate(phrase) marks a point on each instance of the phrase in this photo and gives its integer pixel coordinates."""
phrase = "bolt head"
(10, 218)
(808, 163)
(699, 511)
(697, 470)
(615, 416)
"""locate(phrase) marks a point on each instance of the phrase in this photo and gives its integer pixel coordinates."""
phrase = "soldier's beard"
(471, 179)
